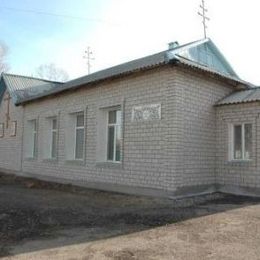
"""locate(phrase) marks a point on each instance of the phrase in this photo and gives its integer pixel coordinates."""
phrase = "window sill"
(50, 160)
(75, 162)
(240, 160)
(30, 159)
(112, 165)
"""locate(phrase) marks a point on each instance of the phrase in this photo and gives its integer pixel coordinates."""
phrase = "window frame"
(232, 142)
(13, 128)
(33, 136)
(75, 135)
(2, 130)
(53, 130)
(34, 133)
(116, 125)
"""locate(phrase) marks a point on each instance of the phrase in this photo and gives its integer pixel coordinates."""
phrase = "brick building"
(176, 123)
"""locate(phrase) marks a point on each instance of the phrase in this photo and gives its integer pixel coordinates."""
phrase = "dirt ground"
(51, 221)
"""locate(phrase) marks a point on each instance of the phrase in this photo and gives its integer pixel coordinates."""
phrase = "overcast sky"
(122, 30)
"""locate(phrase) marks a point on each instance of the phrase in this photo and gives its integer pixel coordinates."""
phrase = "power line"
(55, 14)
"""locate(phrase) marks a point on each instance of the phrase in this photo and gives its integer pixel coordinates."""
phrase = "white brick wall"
(143, 145)
(194, 156)
(10, 146)
(177, 151)
(245, 174)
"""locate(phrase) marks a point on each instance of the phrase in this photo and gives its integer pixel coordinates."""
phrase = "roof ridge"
(191, 43)
(30, 77)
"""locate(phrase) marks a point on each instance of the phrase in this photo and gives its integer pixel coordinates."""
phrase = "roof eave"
(239, 84)
(237, 103)
(76, 86)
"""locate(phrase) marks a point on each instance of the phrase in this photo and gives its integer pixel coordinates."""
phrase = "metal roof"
(2, 90)
(206, 54)
(22, 87)
(202, 55)
(243, 96)
(122, 69)
(202, 67)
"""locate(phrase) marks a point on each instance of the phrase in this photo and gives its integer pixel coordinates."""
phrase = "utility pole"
(203, 13)
(88, 56)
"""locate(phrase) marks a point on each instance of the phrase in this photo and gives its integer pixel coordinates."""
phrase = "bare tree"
(3, 54)
(51, 72)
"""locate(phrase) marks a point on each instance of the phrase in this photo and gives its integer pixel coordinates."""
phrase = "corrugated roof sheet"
(2, 89)
(122, 69)
(207, 69)
(206, 54)
(22, 87)
(243, 96)
(116, 71)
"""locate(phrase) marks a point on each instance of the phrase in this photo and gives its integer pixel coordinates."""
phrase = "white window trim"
(13, 129)
(75, 136)
(52, 132)
(2, 130)
(115, 125)
(34, 133)
(32, 151)
(231, 142)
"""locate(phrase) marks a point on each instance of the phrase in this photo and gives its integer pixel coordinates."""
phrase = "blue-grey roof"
(2, 89)
(206, 54)
(22, 87)
(201, 55)
(243, 96)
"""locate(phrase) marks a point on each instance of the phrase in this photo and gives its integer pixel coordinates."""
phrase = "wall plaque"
(146, 113)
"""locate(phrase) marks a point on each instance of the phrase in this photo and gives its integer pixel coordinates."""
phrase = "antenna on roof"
(203, 13)
(88, 56)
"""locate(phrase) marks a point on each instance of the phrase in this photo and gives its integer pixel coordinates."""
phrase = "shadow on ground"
(31, 210)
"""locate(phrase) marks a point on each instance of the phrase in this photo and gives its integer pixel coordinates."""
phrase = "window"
(75, 136)
(13, 128)
(241, 142)
(32, 138)
(50, 138)
(54, 128)
(109, 136)
(79, 137)
(2, 130)
(114, 136)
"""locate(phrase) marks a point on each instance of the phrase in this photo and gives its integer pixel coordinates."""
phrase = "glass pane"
(118, 143)
(237, 142)
(118, 116)
(34, 144)
(79, 144)
(34, 125)
(54, 124)
(80, 120)
(112, 117)
(110, 143)
(54, 145)
(248, 141)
